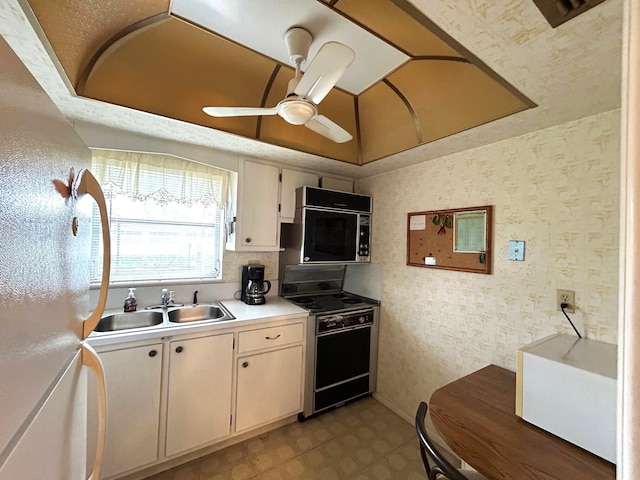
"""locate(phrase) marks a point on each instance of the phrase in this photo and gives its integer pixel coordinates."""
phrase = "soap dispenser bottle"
(130, 303)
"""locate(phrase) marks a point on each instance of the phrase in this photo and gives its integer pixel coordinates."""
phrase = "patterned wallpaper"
(558, 190)
(232, 264)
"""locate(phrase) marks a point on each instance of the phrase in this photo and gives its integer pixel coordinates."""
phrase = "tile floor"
(363, 440)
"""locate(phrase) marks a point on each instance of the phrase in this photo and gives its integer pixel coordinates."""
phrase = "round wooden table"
(475, 415)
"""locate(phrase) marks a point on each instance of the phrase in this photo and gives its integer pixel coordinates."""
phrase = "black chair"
(441, 468)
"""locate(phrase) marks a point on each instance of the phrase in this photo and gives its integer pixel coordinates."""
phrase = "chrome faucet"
(165, 300)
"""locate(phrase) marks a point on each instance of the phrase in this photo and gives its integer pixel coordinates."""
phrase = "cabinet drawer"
(270, 337)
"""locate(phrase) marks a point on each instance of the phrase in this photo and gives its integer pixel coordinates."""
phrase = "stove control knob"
(361, 320)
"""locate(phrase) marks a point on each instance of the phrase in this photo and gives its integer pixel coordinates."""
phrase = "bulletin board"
(451, 239)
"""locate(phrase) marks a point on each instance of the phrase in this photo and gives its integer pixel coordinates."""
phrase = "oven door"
(343, 366)
(329, 236)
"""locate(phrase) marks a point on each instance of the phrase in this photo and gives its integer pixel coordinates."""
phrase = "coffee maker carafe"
(253, 285)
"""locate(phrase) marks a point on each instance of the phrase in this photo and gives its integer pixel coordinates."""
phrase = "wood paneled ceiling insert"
(410, 84)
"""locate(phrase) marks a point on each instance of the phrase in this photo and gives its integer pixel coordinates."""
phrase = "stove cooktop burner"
(339, 295)
(351, 301)
(304, 300)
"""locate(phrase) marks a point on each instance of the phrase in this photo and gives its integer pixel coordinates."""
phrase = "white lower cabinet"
(269, 382)
(175, 394)
(269, 387)
(199, 396)
(133, 377)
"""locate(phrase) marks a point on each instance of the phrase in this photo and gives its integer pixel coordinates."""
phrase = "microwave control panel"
(364, 237)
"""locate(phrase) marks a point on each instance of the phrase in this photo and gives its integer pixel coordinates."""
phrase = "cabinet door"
(258, 216)
(199, 396)
(291, 180)
(133, 378)
(339, 184)
(269, 387)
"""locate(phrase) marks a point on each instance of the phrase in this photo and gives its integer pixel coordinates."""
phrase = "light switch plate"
(516, 250)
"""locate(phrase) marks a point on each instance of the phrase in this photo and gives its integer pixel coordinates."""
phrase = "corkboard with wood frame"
(455, 239)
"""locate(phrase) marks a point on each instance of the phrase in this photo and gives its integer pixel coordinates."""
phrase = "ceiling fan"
(305, 91)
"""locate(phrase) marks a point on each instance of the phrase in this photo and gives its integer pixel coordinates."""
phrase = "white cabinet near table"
(199, 393)
(133, 376)
(269, 383)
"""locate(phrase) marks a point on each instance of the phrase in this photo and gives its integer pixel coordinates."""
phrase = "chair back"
(435, 464)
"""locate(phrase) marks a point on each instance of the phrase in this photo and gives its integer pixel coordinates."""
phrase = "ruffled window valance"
(161, 178)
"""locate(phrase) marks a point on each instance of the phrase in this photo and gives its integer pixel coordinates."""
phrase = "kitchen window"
(166, 216)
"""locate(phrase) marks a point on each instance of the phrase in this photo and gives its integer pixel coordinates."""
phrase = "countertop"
(275, 310)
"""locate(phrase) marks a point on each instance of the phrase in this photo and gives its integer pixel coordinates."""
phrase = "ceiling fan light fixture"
(297, 112)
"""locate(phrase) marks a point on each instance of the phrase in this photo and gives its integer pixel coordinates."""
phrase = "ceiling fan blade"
(327, 128)
(238, 111)
(324, 71)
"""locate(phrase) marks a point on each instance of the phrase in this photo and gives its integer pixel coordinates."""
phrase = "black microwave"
(330, 227)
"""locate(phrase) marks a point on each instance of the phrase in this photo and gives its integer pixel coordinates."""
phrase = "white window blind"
(165, 217)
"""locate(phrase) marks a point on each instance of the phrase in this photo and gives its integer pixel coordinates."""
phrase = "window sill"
(159, 283)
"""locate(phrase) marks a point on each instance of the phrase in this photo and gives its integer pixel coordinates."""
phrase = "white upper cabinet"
(340, 184)
(291, 180)
(263, 197)
(256, 226)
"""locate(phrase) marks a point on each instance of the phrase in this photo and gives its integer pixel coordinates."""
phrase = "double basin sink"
(156, 316)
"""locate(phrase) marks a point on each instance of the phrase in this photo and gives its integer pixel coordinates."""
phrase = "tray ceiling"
(146, 57)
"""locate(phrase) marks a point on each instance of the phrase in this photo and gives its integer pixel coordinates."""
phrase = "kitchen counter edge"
(275, 310)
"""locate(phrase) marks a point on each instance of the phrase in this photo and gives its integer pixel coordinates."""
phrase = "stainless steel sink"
(199, 313)
(126, 321)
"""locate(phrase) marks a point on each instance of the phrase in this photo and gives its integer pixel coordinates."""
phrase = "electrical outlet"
(568, 297)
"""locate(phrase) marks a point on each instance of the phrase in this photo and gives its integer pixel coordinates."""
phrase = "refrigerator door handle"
(91, 359)
(86, 183)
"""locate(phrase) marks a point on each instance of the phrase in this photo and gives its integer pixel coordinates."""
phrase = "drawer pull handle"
(245, 364)
(153, 353)
(179, 349)
(272, 338)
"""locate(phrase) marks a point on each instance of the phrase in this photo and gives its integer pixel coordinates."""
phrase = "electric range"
(342, 337)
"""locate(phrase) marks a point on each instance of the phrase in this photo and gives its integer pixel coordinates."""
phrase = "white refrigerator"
(45, 218)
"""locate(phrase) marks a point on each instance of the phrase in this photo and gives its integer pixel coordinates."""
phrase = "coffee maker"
(253, 285)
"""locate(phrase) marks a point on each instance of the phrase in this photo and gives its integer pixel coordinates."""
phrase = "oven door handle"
(346, 329)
